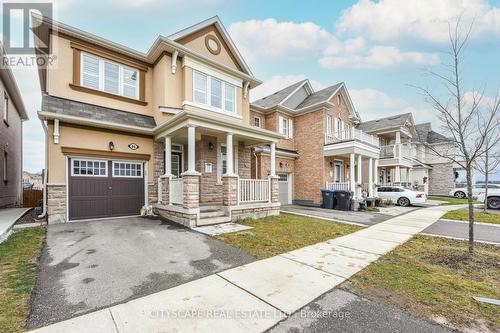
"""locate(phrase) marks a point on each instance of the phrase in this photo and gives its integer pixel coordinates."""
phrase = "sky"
(380, 49)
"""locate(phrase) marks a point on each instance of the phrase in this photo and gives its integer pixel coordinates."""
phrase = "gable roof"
(386, 123)
(312, 99)
(278, 97)
(425, 134)
(223, 32)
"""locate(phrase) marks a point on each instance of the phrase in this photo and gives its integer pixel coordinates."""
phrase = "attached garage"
(104, 188)
(285, 188)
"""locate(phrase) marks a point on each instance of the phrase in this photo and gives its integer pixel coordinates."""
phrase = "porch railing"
(253, 190)
(176, 190)
(352, 134)
(334, 186)
(396, 150)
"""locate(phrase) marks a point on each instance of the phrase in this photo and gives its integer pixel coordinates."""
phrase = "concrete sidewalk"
(256, 296)
(8, 217)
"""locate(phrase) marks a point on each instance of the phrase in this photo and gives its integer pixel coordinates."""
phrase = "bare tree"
(464, 117)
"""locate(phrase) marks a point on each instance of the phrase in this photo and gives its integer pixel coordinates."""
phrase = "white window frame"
(259, 120)
(208, 94)
(5, 107)
(73, 160)
(219, 161)
(288, 131)
(341, 177)
(126, 162)
(121, 69)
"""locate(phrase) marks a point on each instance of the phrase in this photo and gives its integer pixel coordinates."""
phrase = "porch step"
(211, 213)
(213, 220)
(209, 208)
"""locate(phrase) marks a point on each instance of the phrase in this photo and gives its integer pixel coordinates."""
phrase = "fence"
(32, 198)
(253, 190)
(176, 190)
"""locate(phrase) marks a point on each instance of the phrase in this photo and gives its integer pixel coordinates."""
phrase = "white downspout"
(44, 211)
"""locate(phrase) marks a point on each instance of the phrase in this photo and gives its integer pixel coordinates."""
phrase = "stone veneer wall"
(56, 203)
(210, 191)
(159, 167)
(244, 161)
(441, 179)
(242, 212)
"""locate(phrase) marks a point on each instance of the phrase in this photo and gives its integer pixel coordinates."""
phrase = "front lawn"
(18, 269)
(463, 215)
(435, 278)
(278, 234)
(450, 200)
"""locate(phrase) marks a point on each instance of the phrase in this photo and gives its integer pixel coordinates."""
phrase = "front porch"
(209, 181)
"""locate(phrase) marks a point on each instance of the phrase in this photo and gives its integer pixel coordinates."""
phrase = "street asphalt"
(482, 232)
(86, 266)
(343, 311)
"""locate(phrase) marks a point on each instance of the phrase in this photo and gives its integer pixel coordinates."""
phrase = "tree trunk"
(486, 166)
(471, 208)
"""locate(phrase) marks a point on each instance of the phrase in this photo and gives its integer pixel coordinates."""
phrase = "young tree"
(463, 115)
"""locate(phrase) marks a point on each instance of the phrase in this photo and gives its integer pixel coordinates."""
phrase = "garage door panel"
(88, 208)
(88, 186)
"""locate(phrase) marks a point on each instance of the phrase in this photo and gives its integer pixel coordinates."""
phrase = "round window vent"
(212, 44)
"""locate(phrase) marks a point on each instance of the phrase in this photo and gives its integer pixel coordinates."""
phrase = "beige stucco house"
(169, 128)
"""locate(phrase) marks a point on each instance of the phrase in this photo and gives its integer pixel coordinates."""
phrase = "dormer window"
(108, 76)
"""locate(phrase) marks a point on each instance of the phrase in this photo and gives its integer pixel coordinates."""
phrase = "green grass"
(463, 215)
(278, 234)
(436, 278)
(18, 269)
(450, 200)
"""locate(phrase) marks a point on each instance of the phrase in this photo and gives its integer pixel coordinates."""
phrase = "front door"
(176, 164)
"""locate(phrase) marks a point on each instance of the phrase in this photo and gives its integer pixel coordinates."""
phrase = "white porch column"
(375, 169)
(229, 154)
(370, 177)
(168, 156)
(352, 182)
(397, 174)
(360, 168)
(273, 159)
(191, 149)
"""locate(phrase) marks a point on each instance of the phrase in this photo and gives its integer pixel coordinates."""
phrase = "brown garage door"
(99, 188)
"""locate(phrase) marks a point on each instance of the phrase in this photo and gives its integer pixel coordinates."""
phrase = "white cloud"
(379, 56)
(421, 19)
(372, 104)
(269, 39)
(259, 39)
(279, 82)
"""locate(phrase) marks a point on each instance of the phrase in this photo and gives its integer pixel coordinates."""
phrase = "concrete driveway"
(90, 265)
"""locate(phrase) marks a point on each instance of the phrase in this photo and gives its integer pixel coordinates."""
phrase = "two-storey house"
(170, 128)
(322, 148)
(12, 115)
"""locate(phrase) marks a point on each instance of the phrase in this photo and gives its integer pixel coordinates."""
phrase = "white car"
(401, 196)
(461, 192)
(493, 201)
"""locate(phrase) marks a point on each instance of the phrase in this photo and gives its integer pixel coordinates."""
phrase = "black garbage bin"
(343, 200)
(328, 199)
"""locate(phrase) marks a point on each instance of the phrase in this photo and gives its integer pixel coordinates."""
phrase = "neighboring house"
(322, 147)
(32, 181)
(169, 128)
(12, 113)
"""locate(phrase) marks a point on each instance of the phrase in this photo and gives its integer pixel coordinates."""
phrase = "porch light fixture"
(210, 146)
(111, 145)
(281, 164)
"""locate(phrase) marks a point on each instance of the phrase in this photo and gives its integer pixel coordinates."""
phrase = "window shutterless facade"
(213, 92)
(257, 121)
(89, 168)
(285, 127)
(108, 76)
(127, 169)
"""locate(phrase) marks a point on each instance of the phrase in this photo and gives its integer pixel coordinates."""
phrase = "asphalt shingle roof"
(387, 122)
(276, 98)
(88, 111)
(319, 96)
(427, 135)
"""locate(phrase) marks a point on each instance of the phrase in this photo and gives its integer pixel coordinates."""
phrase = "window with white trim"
(105, 75)
(338, 130)
(5, 107)
(127, 169)
(257, 121)
(285, 127)
(92, 168)
(222, 162)
(329, 124)
(214, 92)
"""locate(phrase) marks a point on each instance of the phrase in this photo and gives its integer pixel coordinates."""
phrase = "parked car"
(493, 200)
(401, 196)
(461, 192)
